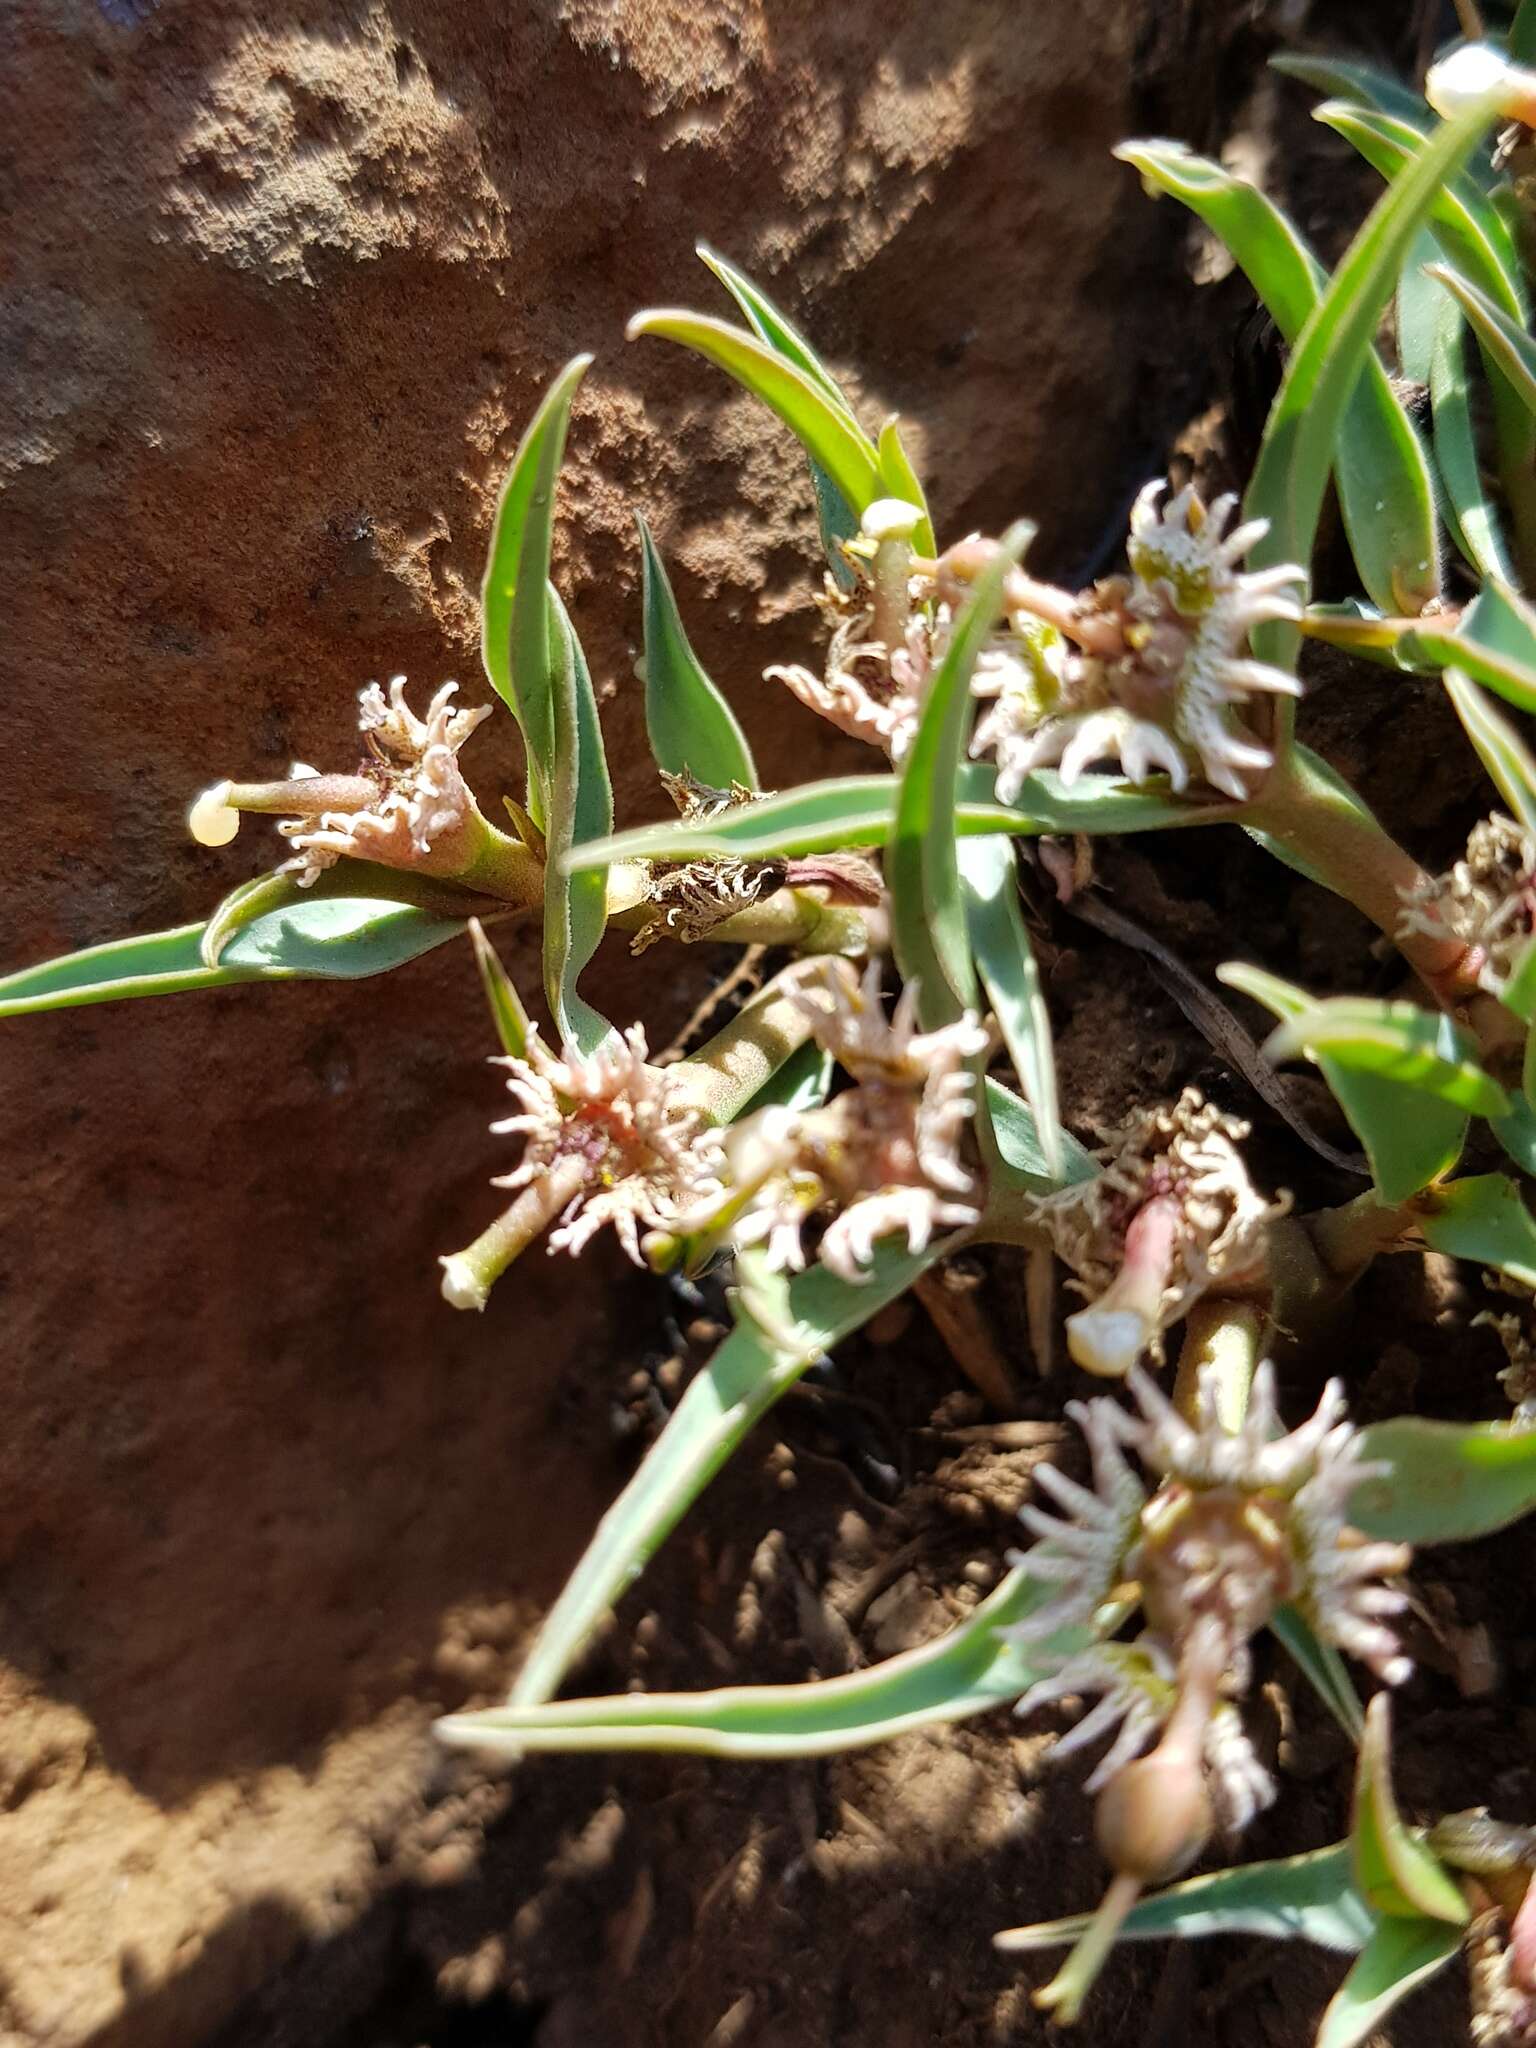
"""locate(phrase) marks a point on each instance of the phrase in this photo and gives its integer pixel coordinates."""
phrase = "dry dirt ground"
(283, 283)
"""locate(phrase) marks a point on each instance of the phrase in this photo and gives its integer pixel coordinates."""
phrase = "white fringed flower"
(1170, 694)
(886, 1153)
(1488, 900)
(647, 1154)
(421, 795)
(870, 691)
(1242, 1521)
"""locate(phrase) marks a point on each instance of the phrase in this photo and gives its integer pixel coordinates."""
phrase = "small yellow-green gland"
(1154, 1817)
(213, 819)
(890, 519)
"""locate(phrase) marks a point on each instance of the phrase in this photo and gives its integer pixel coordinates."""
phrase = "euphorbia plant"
(1007, 708)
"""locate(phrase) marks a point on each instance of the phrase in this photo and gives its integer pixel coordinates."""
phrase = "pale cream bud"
(213, 820)
(890, 519)
(1477, 74)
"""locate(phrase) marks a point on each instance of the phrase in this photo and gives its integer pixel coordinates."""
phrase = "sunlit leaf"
(1291, 475)
(824, 429)
(1022, 1153)
(1499, 747)
(580, 810)
(1298, 1898)
(1466, 506)
(692, 729)
(1396, 1041)
(1484, 1218)
(515, 638)
(506, 1005)
(928, 922)
(1400, 1955)
(1409, 1138)
(860, 810)
(1395, 1871)
(1501, 337)
(965, 1672)
(1385, 493)
(1448, 1482)
(901, 480)
(1005, 961)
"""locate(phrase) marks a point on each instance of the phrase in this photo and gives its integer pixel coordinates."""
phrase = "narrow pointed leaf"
(1499, 747)
(1005, 961)
(580, 809)
(1517, 1131)
(1294, 461)
(692, 729)
(1501, 337)
(965, 1672)
(1410, 1139)
(515, 638)
(1495, 644)
(1324, 1668)
(1385, 492)
(1466, 506)
(860, 810)
(1022, 1151)
(901, 480)
(1448, 1482)
(1343, 79)
(922, 871)
(1297, 1898)
(1400, 1955)
(1398, 1042)
(1484, 1218)
(1395, 1872)
(824, 429)
(802, 1082)
(506, 1005)
(736, 1389)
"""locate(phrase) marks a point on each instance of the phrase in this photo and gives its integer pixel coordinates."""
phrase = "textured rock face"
(284, 282)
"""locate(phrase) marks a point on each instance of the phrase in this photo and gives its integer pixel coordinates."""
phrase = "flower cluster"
(1239, 1521)
(885, 1152)
(643, 1153)
(1159, 677)
(1172, 1215)
(1488, 901)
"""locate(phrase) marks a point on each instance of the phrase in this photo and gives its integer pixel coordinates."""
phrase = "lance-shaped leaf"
(802, 1082)
(1499, 747)
(837, 517)
(1483, 1218)
(1447, 1482)
(826, 431)
(1503, 340)
(1347, 80)
(735, 1390)
(902, 481)
(1397, 1042)
(340, 933)
(1466, 506)
(1400, 1955)
(1291, 475)
(860, 810)
(964, 1672)
(517, 638)
(1517, 1132)
(1005, 961)
(1297, 1898)
(580, 809)
(1474, 238)
(1383, 475)
(1323, 1667)
(505, 1004)
(1495, 644)
(692, 729)
(1409, 1138)
(921, 865)
(1022, 1154)
(1395, 1870)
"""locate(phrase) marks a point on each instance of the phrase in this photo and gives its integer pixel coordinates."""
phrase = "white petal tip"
(213, 820)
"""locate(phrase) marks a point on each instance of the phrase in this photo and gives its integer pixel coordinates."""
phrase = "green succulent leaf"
(1385, 491)
(1503, 340)
(1323, 1667)
(824, 428)
(1466, 506)
(1517, 1131)
(1360, 629)
(928, 920)
(860, 810)
(1297, 1898)
(964, 1672)
(517, 636)
(1449, 1482)
(1410, 1138)
(506, 1005)
(1400, 1955)
(1005, 961)
(838, 519)
(1291, 475)
(736, 1389)
(1500, 749)
(580, 809)
(902, 481)
(1484, 1218)
(692, 729)
(335, 933)
(1397, 1042)
(1346, 80)
(1395, 1871)
(802, 1082)
(1495, 644)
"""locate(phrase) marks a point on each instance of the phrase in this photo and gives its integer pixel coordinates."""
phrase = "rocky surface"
(283, 283)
